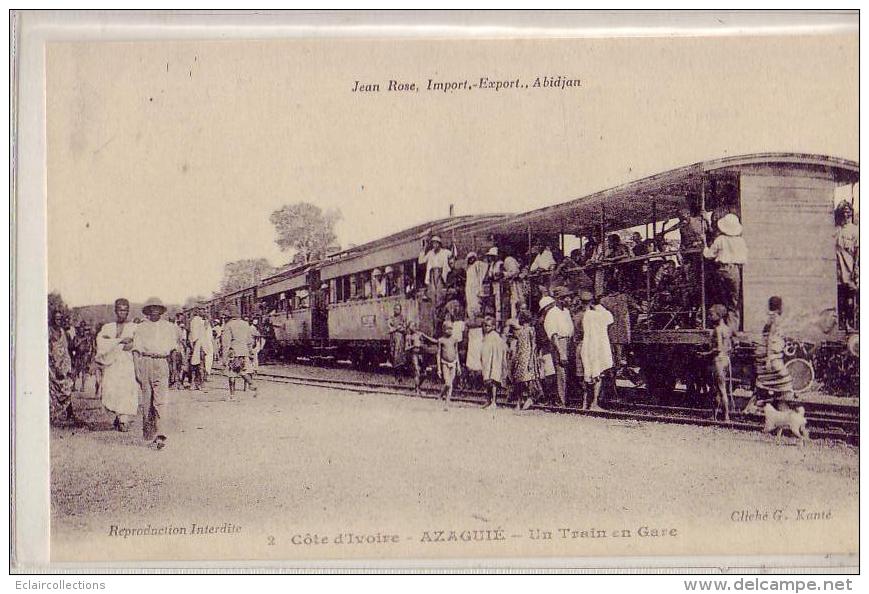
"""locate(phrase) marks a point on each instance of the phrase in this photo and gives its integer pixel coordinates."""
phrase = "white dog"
(795, 420)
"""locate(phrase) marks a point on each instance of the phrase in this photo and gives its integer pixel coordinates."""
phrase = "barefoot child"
(414, 345)
(493, 352)
(722, 346)
(448, 362)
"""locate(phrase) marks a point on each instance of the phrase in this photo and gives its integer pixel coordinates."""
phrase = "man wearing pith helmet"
(153, 341)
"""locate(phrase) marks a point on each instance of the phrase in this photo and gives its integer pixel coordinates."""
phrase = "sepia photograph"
(359, 299)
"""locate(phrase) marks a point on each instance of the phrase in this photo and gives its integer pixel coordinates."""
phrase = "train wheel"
(660, 383)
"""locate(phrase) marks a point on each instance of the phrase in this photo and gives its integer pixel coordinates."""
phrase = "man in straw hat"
(437, 267)
(153, 341)
(848, 263)
(730, 253)
(238, 341)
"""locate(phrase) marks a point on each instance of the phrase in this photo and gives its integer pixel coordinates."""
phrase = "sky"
(165, 159)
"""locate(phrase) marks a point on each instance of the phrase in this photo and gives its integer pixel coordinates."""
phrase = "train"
(339, 307)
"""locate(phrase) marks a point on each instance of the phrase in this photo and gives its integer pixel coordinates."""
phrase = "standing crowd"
(137, 362)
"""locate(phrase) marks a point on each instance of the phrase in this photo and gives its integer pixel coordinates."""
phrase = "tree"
(244, 273)
(194, 301)
(305, 228)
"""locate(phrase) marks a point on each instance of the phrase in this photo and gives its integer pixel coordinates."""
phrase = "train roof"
(632, 203)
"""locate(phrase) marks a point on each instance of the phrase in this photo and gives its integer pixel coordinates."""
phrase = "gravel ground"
(305, 464)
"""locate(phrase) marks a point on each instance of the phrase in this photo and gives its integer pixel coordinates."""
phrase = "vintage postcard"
(304, 290)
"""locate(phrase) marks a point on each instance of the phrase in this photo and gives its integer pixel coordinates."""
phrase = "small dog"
(795, 420)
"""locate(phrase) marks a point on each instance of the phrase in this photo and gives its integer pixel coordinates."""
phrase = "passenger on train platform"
(638, 246)
(449, 366)
(596, 351)
(722, 346)
(847, 265)
(414, 346)
(730, 253)
(545, 350)
(493, 353)
(238, 339)
(437, 267)
(524, 368)
(582, 304)
(474, 275)
(512, 284)
(558, 324)
(589, 250)
(773, 376)
(393, 285)
(397, 325)
(544, 261)
(378, 283)
(624, 310)
(492, 284)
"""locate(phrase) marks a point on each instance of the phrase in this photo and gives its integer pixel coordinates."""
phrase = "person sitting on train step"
(544, 261)
(730, 253)
(437, 267)
(378, 282)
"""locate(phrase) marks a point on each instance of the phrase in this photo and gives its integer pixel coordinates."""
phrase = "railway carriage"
(785, 203)
(360, 305)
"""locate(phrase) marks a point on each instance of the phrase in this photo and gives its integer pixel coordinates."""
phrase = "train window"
(333, 291)
(363, 284)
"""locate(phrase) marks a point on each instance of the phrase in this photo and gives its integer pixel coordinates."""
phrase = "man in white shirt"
(437, 267)
(197, 338)
(729, 252)
(543, 262)
(558, 324)
(153, 340)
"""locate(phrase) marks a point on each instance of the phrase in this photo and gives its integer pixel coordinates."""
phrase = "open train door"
(319, 308)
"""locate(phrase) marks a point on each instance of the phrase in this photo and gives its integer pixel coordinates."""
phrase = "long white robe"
(119, 390)
(196, 338)
(596, 353)
(474, 285)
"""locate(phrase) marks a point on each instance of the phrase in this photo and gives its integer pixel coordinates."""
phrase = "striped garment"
(772, 375)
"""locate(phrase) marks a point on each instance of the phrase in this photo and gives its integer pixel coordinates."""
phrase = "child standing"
(493, 352)
(414, 345)
(722, 346)
(448, 362)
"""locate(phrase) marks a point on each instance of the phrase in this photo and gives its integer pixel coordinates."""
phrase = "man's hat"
(388, 269)
(493, 251)
(376, 272)
(545, 301)
(729, 225)
(153, 303)
(436, 238)
(471, 255)
(585, 296)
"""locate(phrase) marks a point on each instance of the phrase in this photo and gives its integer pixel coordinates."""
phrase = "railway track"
(832, 426)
